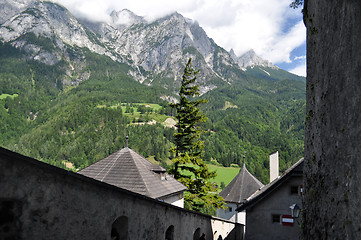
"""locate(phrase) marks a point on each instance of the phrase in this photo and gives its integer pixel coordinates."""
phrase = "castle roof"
(241, 187)
(129, 170)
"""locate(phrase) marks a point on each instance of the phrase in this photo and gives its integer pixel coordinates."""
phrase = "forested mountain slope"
(71, 91)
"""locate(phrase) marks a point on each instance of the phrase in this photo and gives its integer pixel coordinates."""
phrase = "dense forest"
(81, 124)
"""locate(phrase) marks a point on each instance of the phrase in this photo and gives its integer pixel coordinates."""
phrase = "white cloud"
(281, 48)
(252, 24)
(270, 27)
(300, 58)
(300, 70)
(91, 9)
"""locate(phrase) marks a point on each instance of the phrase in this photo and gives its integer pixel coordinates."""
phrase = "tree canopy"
(188, 165)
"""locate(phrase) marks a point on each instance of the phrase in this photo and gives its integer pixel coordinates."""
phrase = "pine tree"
(188, 166)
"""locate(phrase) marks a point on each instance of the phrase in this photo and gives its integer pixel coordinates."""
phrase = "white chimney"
(274, 166)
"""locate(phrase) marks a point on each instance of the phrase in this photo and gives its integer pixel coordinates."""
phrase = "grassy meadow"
(224, 174)
(4, 95)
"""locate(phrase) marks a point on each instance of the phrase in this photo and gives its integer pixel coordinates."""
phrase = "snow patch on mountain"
(265, 72)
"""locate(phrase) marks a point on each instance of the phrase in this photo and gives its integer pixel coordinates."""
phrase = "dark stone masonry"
(332, 206)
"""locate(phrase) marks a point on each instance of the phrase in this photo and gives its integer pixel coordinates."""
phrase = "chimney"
(274, 166)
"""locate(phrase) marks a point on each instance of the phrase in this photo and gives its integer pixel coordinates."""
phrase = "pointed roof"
(129, 170)
(241, 187)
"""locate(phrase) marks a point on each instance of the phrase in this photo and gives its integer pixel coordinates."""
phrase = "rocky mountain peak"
(174, 15)
(125, 17)
(250, 59)
(233, 55)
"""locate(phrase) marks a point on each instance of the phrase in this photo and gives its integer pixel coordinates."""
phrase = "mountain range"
(50, 59)
(155, 51)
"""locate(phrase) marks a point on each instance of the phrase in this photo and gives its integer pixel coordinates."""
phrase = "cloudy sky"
(270, 27)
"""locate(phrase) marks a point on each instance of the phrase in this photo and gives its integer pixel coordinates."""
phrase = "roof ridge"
(240, 186)
(254, 178)
(149, 172)
(104, 166)
(230, 185)
(112, 161)
(264, 191)
(244, 169)
(131, 152)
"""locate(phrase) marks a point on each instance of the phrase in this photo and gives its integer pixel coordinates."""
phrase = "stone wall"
(39, 201)
(332, 207)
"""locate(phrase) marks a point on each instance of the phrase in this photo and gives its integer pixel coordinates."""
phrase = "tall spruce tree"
(188, 166)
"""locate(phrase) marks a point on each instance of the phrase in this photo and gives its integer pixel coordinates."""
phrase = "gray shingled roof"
(241, 187)
(295, 170)
(129, 170)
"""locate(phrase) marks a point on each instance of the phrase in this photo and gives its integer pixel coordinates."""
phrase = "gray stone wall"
(39, 201)
(332, 207)
(259, 224)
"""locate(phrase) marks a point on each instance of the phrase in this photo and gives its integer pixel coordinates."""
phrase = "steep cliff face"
(155, 52)
(333, 130)
(50, 34)
(9, 8)
(48, 20)
(158, 50)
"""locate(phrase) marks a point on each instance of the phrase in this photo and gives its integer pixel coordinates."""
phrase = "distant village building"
(268, 210)
(129, 170)
(236, 192)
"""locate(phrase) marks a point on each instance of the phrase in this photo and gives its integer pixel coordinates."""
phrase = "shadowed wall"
(332, 207)
(39, 201)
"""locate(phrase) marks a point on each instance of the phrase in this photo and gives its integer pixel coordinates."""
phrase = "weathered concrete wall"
(176, 200)
(259, 224)
(333, 120)
(39, 201)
